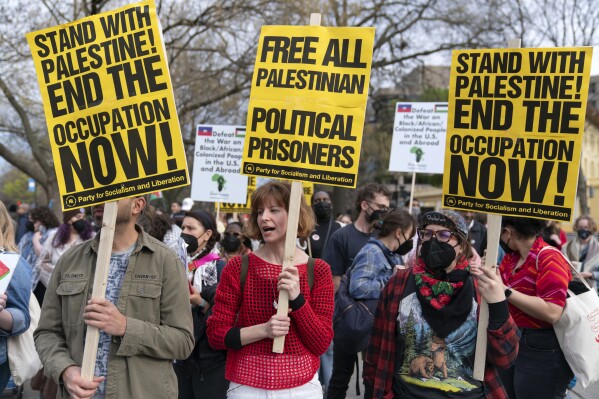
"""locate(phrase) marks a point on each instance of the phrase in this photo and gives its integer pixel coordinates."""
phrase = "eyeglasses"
(380, 207)
(440, 235)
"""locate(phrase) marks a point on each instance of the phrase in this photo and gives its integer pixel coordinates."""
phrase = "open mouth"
(268, 229)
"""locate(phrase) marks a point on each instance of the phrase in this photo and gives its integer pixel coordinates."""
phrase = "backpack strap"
(311, 273)
(244, 271)
(573, 270)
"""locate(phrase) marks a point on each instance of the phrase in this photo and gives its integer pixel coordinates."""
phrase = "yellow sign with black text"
(514, 132)
(109, 106)
(307, 104)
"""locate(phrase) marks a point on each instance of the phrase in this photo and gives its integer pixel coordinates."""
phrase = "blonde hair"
(7, 230)
(279, 193)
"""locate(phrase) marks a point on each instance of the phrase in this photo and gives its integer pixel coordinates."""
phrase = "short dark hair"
(320, 191)
(393, 220)
(207, 220)
(525, 227)
(367, 193)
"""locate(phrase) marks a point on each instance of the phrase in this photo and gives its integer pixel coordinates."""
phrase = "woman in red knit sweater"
(246, 322)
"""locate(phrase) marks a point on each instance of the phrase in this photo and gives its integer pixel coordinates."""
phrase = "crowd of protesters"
(198, 291)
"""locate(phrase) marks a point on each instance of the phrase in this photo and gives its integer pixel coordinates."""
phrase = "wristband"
(507, 293)
(202, 303)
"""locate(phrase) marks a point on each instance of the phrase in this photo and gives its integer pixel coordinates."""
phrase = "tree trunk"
(581, 193)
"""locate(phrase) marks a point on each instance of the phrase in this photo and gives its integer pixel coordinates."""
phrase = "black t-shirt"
(321, 236)
(343, 247)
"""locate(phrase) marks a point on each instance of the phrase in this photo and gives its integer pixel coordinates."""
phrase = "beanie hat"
(450, 219)
(68, 215)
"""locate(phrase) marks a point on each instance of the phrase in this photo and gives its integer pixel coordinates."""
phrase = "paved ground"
(591, 392)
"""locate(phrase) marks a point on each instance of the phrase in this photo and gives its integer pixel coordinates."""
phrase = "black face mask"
(404, 248)
(231, 243)
(191, 241)
(583, 234)
(376, 215)
(322, 210)
(437, 256)
(80, 226)
(505, 247)
(29, 226)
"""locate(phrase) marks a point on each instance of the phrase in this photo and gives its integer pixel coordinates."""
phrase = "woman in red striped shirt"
(536, 282)
(244, 319)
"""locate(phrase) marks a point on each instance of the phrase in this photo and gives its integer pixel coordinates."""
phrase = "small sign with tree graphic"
(419, 138)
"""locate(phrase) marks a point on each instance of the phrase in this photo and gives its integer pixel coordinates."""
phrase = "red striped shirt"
(549, 282)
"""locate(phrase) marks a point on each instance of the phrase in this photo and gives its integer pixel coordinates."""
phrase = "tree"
(211, 46)
(14, 187)
(559, 23)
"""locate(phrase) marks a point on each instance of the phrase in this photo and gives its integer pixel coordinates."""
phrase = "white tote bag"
(23, 359)
(577, 331)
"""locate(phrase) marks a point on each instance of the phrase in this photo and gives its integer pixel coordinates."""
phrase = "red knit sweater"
(309, 336)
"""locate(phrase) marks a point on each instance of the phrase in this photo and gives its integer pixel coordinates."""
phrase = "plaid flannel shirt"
(379, 366)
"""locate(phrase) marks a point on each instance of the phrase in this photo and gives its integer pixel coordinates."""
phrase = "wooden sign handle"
(289, 254)
(297, 192)
(92, 335)
(493, 233)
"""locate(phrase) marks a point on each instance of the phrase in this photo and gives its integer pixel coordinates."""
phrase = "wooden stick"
(92, 335)
(289, 254)
(297, 191)
(493, 233)
(217, 212)
(412, 191)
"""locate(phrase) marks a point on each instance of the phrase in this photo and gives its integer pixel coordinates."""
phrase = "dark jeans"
(343, 367)
(541, 371)
(210, 384)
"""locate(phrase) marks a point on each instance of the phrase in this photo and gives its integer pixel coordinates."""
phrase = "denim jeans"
(326, 367)
(311, 390)
(541, 370)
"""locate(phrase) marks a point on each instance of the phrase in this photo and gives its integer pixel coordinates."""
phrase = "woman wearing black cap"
(423, 340)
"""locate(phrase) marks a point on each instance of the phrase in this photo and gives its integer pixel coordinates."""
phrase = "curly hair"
(590, 220)
(367, 193)
(279, 193)
(156, 225)
(45, 216)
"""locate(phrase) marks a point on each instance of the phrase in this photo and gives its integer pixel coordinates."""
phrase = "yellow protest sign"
(514, 135)
(252, 184)
(307, 104)
(109, 106)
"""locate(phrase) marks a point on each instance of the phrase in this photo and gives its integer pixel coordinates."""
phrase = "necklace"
(275, 303)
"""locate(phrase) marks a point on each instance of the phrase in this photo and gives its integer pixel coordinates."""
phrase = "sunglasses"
(440, 235)
(381, 207)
